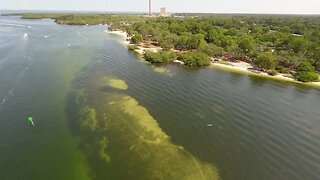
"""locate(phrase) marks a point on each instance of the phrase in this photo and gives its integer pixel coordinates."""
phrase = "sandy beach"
(122, 34)
(141, 49)
(242, 68)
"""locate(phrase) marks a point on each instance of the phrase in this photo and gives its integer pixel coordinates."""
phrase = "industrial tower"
(150, 8)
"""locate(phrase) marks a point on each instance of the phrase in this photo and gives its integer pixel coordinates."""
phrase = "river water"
(100, 112)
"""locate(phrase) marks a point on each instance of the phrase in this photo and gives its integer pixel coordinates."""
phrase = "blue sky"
(213, 6)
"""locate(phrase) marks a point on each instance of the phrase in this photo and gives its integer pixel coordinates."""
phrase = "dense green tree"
(297, 44)
(162, 26)
(317, 66)
(231, 32)
(147, 31)
(132, 47)
(159, 57)
(188, 42)
(211, 49)
(287, 60)
(307, 76)
(298, 28)
(214, 36)
(257, 29)
(129, 30)
(306, 73)
(194, 59)
(194, 27)
(315, 36)
(182, 42)
(265, 60)
(168, 42)
(315, 56)
(247, 44)
(177, 28)
(281, 41)
(136, 38)
(285, 29)
(305, 66)
(194, 41)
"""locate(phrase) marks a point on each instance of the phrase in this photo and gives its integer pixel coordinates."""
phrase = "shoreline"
(125, 39)
(239, 67)
(241, 70)
(122, 34)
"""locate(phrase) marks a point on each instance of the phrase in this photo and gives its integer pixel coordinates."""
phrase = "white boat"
(179, 62)
(3, 101)
(209, 125)
(25, 35)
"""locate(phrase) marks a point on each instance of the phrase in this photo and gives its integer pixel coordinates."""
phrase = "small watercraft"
(3, 101)
(209, 125)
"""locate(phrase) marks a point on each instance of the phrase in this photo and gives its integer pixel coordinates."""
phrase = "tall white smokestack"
(150, 7)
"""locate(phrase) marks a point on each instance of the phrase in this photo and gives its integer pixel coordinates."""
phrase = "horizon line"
(146, 12)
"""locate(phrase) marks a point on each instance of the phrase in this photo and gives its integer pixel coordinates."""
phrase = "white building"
(163, 12)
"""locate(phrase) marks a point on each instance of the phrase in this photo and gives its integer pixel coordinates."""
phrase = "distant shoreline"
(24, 11)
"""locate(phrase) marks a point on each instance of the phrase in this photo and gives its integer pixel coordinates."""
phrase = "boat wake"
(27, 67)
(20, 76)
(50, 35)
(3, 101)
(10, 93)
(14, 25)
(30, 58)
(82, 36)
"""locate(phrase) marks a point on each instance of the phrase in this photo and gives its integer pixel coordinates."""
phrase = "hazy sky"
(213, 6)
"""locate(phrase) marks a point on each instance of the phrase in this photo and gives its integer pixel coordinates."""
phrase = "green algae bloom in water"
(116, 83)
(125, 138)
(149, 144)
(162, 70)
(89, 118)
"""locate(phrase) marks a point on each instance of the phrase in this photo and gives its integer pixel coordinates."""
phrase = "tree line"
(273, 44)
